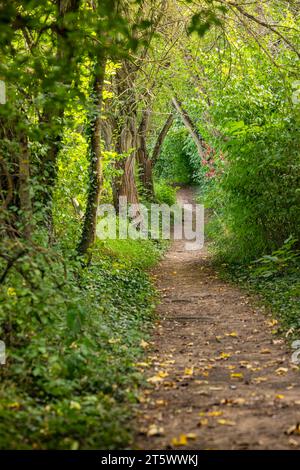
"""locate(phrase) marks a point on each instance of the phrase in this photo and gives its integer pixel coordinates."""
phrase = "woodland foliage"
(90, 116)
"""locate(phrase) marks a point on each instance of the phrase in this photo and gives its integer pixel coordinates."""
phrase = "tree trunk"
(24, 186)
(95, 179)
(161, 137)
(14, 179)
(187, 121)
(126, 130)
(145, 164)
(51, 121)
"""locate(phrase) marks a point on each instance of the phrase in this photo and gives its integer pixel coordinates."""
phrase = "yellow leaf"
(15, 404)
(281, 371)
(226, 422)
(74, 405)
(236, 375)
(11, 291)
(272, 322)
(142, 364)
(258, 380)
(214, 413)
(144, 344)
(233, 334)
(114, 340)
(142, 399)
(155, 431)
(279, 397)
(189, 371)
(155, 379)
(162, 374)
(180, 441)
(224, 355)
(160, 402)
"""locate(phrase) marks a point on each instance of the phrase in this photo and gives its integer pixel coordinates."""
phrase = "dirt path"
(218, 373)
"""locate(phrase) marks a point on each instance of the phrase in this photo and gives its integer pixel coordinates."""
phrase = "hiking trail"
(219, 376)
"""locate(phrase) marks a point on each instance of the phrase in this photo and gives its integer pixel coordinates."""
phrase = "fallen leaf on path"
(162, 374)
(239, 401)
(214, 413)
(281, 371)
(265, 351)
(189, 371)
(233, 334)
(279, 396)
(236, 375)
(233, 401)
(224, 355)
(295, 429)
(258, 380)
(155, 430)
(180, 441)
(142, 399)
(272, 322)
(144, 344)
(294, 443)
(157, 378)
(226, 422)
(169, 384)
(160, 402)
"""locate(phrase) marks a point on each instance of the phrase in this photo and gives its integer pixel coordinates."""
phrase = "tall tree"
(95, 152)
(126, 134)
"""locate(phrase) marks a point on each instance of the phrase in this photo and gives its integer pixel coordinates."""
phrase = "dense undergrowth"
(276, 278)
(69, 377)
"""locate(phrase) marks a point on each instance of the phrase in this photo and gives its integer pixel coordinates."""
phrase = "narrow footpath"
(218, 375)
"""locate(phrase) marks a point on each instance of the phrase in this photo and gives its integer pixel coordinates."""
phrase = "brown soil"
(218, 373)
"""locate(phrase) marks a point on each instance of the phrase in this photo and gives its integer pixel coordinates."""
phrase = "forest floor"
(219, 377)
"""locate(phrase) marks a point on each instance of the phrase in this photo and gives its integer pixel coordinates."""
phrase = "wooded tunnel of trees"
(136, 98)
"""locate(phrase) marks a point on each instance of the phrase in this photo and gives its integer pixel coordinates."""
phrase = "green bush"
(172, 164)
(165, 193)
(70, 377)
(256, 199)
